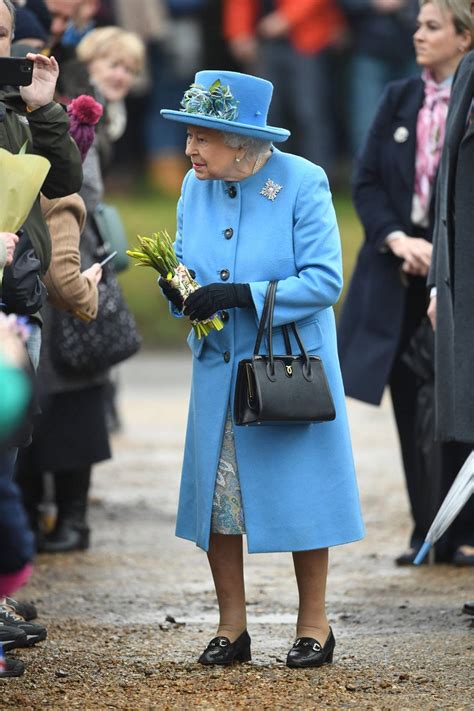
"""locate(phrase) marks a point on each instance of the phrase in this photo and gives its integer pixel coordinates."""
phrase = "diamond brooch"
(270, 190)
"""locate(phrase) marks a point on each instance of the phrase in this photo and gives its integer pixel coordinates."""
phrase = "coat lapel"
(405, 150)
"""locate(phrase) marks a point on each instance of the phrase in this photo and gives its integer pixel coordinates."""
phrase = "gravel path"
(402, 642)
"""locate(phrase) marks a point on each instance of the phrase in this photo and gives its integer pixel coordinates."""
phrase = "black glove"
(171, 293)
(207, 300)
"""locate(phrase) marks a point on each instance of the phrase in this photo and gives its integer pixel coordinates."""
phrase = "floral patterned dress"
(227, 510)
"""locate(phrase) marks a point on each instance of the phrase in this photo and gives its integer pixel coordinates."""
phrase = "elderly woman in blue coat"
(248, 214)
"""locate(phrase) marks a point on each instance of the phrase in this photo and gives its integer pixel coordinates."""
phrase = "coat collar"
(461, 102)
(406, 116)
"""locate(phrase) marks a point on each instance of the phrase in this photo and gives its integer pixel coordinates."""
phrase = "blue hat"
(228, 101)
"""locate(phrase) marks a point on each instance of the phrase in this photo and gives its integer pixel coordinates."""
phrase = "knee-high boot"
(71, 531)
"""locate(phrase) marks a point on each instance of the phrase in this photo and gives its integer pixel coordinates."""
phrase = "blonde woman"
(113, 58)
(386, 302)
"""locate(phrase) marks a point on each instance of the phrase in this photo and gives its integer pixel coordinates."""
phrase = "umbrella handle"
(422, 553)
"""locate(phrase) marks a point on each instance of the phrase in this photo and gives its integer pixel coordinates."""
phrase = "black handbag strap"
(286, 339)
(263, 321)
(267, 316)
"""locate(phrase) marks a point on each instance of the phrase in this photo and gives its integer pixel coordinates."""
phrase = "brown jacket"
(67, 288)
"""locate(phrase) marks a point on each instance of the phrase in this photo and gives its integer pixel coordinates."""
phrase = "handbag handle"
(267, 315)
(264, 318)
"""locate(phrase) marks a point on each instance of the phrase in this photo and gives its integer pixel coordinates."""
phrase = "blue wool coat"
(298, 484)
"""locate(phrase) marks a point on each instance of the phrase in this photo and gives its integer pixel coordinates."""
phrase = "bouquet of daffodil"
(21, 178)
(158, 252)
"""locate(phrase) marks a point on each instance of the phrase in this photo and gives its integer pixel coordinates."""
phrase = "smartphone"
(16, 71)
(107, 259)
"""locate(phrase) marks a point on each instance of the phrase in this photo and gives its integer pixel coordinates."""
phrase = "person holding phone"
(29, 115)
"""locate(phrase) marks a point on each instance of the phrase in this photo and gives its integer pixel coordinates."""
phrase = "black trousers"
(431, 468)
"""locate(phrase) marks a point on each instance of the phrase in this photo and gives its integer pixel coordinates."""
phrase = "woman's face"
(438, 46)
(211, 158)
(113, 76)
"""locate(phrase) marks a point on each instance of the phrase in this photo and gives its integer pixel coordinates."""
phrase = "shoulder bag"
(281, 389)
(85, 348)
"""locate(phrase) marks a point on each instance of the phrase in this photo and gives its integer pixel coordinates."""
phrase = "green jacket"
(46, 131)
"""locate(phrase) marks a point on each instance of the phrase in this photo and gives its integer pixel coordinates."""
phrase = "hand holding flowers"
(215, 297)
(158, 252)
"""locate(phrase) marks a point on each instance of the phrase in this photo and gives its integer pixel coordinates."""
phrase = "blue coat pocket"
(196, 344)
(311, 335)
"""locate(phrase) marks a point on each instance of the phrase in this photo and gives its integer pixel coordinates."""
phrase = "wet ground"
(402, 642)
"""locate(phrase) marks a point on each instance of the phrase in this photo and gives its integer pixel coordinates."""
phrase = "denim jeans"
(302, 100)
(17, 542)
(164, 137)
(368, 78)
(33, 344)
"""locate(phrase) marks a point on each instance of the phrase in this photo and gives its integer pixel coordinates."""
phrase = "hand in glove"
(171, 293)
(207, 300)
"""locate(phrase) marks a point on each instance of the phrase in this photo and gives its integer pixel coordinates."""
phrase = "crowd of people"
(55, 387)
(299, 46)
(54, 283)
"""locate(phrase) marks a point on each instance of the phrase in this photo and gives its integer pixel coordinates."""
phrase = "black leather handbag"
(281, 389)
(87, 348)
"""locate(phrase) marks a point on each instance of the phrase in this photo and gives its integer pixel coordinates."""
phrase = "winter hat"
(39, 9)
(27, 26)
(84, 113)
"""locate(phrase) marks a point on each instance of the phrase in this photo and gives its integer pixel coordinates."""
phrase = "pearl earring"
(237, 159)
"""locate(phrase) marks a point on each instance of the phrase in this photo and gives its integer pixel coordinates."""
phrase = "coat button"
(232, 191)
(225, 274)
(225, 316)
(229, 233)
(227, 356)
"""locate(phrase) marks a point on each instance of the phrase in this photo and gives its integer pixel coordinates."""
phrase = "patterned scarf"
(430, 130)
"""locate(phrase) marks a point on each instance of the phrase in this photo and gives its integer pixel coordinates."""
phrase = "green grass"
(145, 213)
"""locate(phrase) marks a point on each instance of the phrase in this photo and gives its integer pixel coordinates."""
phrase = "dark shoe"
(12, 637)
(34, 632)
(408, 557)
(463, 559)
(10, 667)
(70, 535)
(25, 609)
(221, 650)
(468, 608)
(307, 652)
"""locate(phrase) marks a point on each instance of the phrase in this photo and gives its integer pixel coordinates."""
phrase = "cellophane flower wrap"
(21, 178)
(158, 252)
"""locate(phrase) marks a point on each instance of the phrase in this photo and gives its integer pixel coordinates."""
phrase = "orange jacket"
(315, 24)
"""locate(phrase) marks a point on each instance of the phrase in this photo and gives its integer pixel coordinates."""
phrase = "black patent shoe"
(221, 650)
(307, 652)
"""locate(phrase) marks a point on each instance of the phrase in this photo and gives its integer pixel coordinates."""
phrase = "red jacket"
(315, 24)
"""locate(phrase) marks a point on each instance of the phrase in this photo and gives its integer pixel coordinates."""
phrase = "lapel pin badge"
(401, 134)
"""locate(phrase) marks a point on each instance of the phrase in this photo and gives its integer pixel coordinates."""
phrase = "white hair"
(253, 146)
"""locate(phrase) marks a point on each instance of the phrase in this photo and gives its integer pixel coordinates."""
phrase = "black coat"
(452, 267)
(373, 311)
